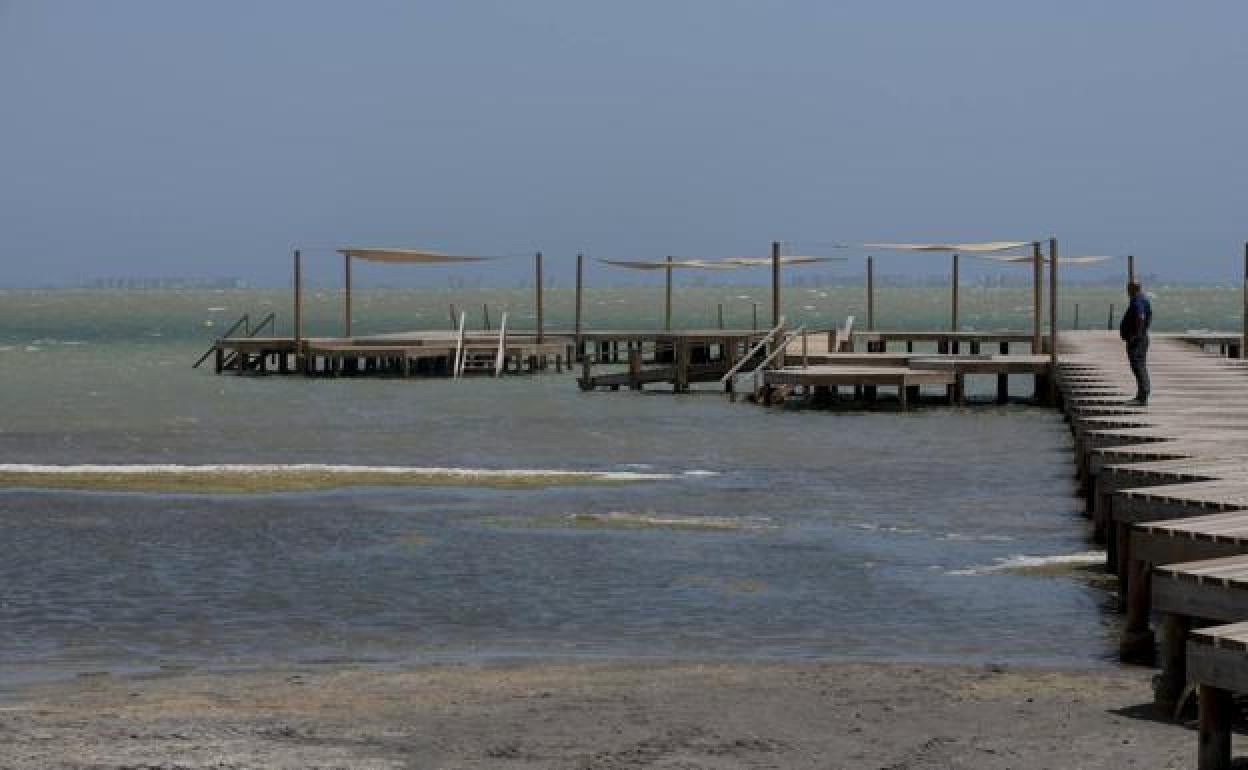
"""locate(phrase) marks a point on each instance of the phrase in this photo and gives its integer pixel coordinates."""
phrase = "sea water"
(552, 523)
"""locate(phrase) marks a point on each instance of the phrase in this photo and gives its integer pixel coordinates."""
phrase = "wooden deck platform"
(675, 358)
(904, 373)
(402, 354)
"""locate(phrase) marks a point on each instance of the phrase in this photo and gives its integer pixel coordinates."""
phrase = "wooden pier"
(423, 353)
(675, 358)
(1167, 490)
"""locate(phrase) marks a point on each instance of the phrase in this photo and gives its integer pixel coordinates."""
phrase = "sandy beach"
(598, 715)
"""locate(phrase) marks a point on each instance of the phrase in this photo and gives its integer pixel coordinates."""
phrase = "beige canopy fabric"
(986, 246)
(792, 260)
(408, 256)
(1028, 258)
(696, 264)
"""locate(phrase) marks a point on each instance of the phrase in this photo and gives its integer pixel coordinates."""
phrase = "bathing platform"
(407, 354)
(1167, 491)
(815, 366)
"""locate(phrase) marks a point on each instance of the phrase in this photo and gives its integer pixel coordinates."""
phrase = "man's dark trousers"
(1137, 354)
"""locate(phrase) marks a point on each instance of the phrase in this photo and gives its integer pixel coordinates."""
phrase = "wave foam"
(318, 468)
(1037, 564)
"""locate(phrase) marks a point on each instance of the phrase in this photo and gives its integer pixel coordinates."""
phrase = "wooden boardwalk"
(1167, 489)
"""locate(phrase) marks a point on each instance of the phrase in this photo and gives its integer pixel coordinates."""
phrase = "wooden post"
(1037, 290)
(537, 266)
(1214, 741)
(870, 294)
(1003, 379)
(953, 317)
(775, 283)
(754, 322)
(1130, 268)
(346, 282)
(1109, 324)
(1171, 681)
(580, 273)
(1053, 320)
(667, 312)
(298, 291)
(1243, 343)
(485, 312)
(1076, 322)
(681, 360)
(454, 317)
(720, 315)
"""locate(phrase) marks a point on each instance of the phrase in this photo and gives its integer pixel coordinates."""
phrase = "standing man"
(1134, 331)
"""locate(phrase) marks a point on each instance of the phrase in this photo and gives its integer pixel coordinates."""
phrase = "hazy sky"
(209, 138)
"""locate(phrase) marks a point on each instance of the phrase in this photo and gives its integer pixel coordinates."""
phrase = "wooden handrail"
(745, 359)
(780, 349)
(459, 347)
(246, 319)
(268, 319)
(500, 359)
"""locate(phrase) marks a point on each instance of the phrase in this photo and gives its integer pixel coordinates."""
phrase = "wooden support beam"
(953, 315)
(1216, 711)
(537, 265)
(667, 312)
(870, 294)
(298, 291)
(580, 274)
(1053, 320)
(1003, 379)
(775, 282)
(346, 306)
(1037, 290)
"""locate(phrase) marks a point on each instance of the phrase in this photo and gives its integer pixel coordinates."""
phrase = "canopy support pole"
(298, 292)
(775, 283)
(953, 315)
(580, 268)
(1130, 268)
(537, 264)
(1053, 320)
(667, 315)
(346, 282)
(870, 294)
(1037, 288)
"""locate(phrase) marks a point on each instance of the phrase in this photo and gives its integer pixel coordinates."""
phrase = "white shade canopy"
(1028, 259)
(986, 246)
(406, 256)
(791, 260)
(640, 264)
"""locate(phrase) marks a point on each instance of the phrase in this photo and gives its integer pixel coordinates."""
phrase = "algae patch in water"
(618, 520)
(412, 540)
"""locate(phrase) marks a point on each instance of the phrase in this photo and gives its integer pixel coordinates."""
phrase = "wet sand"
(598, 715)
